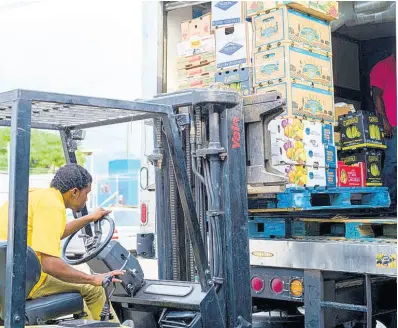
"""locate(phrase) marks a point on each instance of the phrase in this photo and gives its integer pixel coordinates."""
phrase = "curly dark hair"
(71, 176)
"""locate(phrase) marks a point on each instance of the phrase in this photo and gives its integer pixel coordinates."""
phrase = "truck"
(356, 49)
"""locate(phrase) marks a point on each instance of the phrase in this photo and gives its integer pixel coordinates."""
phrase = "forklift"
(205, 295)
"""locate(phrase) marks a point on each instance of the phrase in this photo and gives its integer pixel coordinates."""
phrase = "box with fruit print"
(308, 176)
(303, 101)
(372, 161)
(361, 129)
(298, 129)
(287, 26)
(292, 64)
(296, 141)
(351, 175)
(298, 152)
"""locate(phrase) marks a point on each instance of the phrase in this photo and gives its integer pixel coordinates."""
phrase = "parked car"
(127, 225)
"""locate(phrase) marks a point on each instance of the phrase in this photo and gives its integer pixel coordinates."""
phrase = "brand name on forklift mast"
(235, 133)
(262, 254)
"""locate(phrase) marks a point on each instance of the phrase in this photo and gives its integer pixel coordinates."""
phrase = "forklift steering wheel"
(93, 244)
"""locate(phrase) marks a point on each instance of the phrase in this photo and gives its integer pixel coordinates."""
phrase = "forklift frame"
(24, 109)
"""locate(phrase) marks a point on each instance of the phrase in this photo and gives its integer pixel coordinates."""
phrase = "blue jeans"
(390, 167)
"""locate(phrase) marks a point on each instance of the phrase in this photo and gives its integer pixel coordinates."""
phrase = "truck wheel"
(277, 319)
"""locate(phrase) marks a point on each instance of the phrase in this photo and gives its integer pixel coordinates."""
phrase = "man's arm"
(56, 267)
(381, 110)
(77, 224)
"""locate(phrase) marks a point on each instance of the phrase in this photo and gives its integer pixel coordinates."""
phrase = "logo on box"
(230, 48)
(225, 5)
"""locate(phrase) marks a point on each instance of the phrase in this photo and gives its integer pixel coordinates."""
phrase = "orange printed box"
(293, 64)
(286, 25)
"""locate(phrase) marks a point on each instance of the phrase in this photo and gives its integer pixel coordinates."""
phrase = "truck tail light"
(277, 285)
(257, 284)
(115, 234)
(144, 214)
(296, 288)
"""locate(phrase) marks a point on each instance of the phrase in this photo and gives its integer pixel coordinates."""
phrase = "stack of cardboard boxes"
(261, 46)
(304, 151)
(292, 55)
(361, 149)
(196, 54)
(234, 36)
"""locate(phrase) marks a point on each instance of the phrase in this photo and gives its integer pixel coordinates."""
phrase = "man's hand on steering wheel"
(97, 214)
(99, 278)
(95, 244)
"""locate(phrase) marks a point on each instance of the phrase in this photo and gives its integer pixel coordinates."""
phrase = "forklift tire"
(277, 319)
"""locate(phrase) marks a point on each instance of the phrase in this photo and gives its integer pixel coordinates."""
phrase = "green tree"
(46, 153)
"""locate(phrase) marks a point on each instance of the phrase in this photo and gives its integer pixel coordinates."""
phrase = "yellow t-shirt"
(46, 224)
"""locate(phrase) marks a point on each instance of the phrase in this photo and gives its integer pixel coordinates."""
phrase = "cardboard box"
(314, 133)
(196, 46)
(304, 101)
(342, 109)
(197, 71)
(327, 10)
(293, 64)
(318, 133)
(307, 176)
(361, 129)
(196, 60)
(233, 46)
(286, 26)
(331, 177)
(350, 175)
(239, 79)
(198, 27)
(226, 13)
(372, 161)
(254, 7)
(328, 134)
(298, 152)
(200, 82)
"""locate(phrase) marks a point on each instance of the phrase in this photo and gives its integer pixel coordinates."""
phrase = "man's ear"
(74, 192)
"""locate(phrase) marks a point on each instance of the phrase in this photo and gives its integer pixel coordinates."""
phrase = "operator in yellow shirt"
(47, 226)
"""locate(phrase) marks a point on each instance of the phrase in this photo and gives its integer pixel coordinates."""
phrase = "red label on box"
(351, 175)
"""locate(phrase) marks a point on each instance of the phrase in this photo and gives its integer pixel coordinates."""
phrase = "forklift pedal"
(180, 319)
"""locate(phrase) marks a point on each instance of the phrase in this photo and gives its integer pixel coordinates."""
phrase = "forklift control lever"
(109, 288)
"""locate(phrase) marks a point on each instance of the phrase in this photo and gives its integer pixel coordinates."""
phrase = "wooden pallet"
(321, 198)
(338, 228)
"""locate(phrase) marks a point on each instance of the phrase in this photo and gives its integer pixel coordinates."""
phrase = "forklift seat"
(42, 309)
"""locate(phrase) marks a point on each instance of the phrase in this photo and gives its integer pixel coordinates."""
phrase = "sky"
(84, 47)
